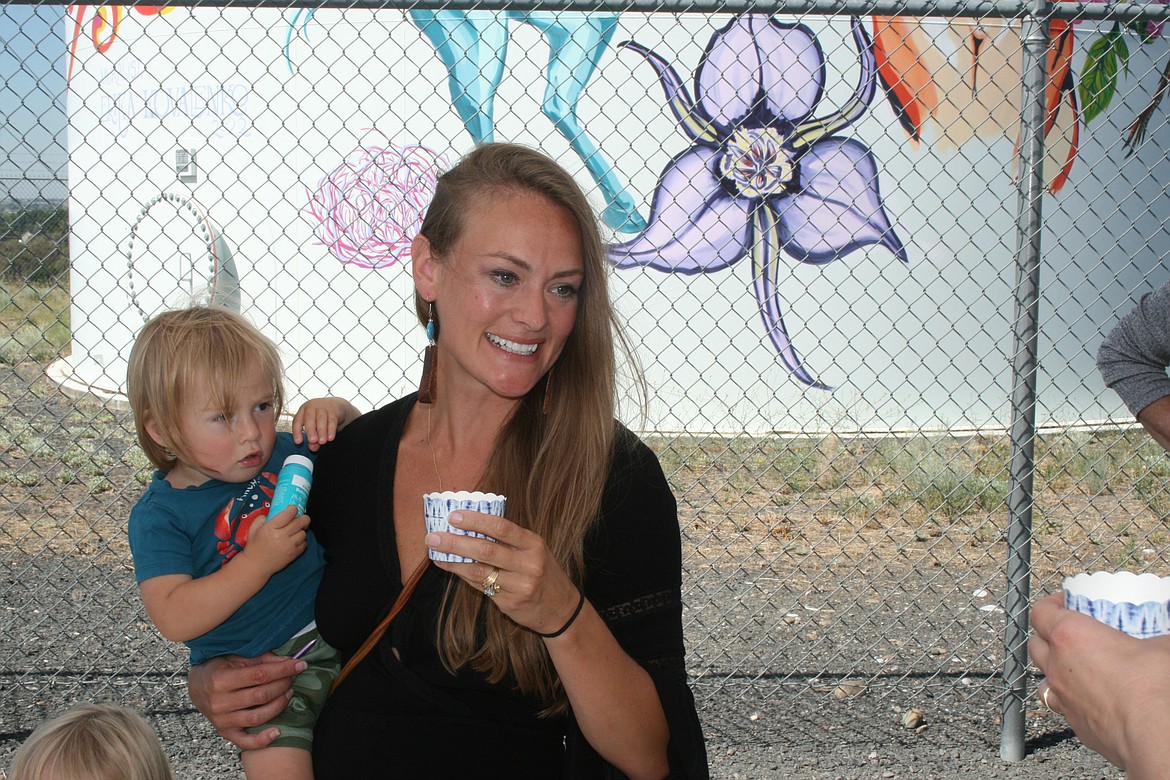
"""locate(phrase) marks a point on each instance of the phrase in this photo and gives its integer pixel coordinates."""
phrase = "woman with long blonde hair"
(558, 651)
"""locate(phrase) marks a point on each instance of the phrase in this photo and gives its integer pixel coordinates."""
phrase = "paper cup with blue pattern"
(437, 506)
(1138, 604)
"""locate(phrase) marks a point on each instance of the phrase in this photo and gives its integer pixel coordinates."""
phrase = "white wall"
(923, 345)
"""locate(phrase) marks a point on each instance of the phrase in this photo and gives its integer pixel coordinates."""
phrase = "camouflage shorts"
(310, 689)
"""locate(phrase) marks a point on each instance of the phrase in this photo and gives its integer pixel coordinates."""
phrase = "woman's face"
(506, 294)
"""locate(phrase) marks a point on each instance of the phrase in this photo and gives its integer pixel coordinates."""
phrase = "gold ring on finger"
(1044, 698)
(489, 583)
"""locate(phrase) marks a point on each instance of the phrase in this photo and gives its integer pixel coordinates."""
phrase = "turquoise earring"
(426, 386)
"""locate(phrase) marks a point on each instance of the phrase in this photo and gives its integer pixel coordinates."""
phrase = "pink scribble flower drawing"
(370, 207)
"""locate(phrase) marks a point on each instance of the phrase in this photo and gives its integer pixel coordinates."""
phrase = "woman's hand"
(236, 694)
(531, 587)
(613, 698)
(1113, 689)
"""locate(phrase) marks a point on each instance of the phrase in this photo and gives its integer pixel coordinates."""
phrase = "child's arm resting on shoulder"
(183, 607)
(320, 419)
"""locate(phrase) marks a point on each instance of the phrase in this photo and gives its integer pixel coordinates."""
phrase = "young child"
(214, 571)
(92, 742)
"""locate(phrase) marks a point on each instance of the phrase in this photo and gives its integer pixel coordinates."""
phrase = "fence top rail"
(1155, 10)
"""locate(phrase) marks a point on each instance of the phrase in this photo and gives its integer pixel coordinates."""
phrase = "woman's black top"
(400, 713)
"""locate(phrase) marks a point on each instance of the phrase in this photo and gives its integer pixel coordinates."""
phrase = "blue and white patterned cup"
(436, 507)
(1138, 604)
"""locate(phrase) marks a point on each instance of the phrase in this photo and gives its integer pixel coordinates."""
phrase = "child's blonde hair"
(92, 742)
(176, 349)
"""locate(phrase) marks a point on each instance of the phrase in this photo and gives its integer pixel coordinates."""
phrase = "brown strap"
(377, 633)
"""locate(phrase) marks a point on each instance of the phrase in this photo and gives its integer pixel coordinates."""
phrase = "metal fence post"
(1025, 330)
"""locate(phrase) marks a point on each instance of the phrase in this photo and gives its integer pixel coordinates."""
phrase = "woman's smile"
(513, 347)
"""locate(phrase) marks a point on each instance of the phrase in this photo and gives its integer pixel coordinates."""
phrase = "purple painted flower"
(763, 174)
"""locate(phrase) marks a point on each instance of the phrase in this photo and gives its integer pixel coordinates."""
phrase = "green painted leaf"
(1099, 75)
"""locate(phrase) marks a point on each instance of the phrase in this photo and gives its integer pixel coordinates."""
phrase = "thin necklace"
(431, 444)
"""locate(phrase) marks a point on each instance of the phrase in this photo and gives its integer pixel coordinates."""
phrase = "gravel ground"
(757, 726)
(800, 672)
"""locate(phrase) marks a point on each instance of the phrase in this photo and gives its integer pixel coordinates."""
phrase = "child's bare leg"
(278, 763)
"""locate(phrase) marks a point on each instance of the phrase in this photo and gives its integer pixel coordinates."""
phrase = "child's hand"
(275, 544)
(320, 419)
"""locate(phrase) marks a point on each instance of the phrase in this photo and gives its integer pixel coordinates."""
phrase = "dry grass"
(1100, 500)
(72, 470)
(34, 321)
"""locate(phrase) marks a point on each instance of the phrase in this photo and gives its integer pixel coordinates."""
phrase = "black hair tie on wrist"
(572, 617)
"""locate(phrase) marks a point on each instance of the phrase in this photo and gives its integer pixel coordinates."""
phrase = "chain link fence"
(823, 227)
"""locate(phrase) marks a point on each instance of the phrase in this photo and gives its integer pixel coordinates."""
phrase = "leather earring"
(426, 386)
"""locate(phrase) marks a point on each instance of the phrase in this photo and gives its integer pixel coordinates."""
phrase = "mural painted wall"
(812, 221)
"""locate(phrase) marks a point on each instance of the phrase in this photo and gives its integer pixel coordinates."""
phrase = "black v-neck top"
(405, 715)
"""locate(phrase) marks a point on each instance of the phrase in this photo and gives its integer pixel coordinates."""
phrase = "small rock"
(848, 688)
(755, 715)
(791, 619)
(913, 719)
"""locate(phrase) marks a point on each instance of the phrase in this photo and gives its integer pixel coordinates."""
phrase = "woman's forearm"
(613, 698)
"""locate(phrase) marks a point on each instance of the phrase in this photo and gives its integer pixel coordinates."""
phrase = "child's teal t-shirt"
(197, 530)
